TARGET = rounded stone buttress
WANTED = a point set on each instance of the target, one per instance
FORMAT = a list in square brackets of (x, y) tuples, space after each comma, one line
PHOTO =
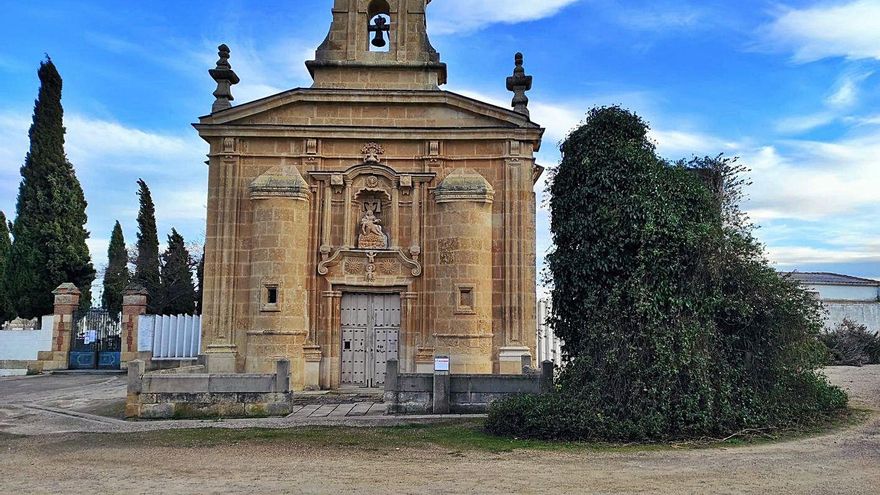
[(462, 269), (279, 270)]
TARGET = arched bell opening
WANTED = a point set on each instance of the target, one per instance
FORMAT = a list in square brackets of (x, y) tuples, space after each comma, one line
[(379, 26)]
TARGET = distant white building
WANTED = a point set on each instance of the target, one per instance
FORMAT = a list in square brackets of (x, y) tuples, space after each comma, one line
[(844, 297), (549, 346)]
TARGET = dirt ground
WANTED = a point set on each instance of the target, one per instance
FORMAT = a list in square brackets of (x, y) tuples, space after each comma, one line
[(843, 461)]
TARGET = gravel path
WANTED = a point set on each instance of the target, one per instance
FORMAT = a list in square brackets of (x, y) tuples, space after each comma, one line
[(846, 461)]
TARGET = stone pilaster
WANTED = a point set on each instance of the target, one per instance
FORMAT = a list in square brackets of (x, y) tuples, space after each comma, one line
[(221, 257), (134, 304), (67, 298)]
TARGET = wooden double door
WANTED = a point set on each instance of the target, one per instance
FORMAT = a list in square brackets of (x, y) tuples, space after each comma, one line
[(370, 337)]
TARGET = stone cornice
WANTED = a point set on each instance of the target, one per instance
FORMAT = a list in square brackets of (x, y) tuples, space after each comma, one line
[(532, 135), (355, 96)]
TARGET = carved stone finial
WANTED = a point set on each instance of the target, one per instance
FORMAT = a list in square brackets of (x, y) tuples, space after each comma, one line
[(226, 78), (372, 153), (519, 83)]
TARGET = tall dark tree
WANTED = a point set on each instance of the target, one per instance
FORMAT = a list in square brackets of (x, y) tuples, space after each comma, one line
[(200, 290), (49, 235), (7, 312), (117, 276), (146, 270), (177, 277)]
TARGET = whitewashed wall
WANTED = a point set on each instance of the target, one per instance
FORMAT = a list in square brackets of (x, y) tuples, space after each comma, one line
[(549, 347), (845, 292), (863, 313), (23, 345)]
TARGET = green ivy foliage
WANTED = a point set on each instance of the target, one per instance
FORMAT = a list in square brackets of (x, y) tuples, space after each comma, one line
[(673, 321)]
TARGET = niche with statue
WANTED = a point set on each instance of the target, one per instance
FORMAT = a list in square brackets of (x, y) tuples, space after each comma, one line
[(371, 228)]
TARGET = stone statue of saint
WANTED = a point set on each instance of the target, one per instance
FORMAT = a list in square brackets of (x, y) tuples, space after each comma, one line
[(371, 224), (372, 236)]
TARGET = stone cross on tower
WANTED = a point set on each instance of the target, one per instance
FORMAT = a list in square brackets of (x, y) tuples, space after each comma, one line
[(226, 78), (519, 83)]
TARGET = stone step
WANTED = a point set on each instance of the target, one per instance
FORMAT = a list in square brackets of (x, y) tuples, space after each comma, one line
[(338, 397)]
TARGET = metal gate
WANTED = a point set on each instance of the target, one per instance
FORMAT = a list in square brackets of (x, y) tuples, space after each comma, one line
[(370, 333), (95, 342)]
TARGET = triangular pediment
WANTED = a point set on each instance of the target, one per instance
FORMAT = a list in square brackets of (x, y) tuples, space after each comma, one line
[(358, 108)]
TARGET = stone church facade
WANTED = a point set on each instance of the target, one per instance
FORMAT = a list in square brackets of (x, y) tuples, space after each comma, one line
[(370, 217)]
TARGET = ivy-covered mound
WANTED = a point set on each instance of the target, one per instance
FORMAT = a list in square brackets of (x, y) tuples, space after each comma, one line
[(673, 321)]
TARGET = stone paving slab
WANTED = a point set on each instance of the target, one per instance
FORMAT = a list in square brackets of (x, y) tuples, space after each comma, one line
[(342, 410), (58, 404), (305, 411), (376, 409), (323, 411), (360, 409)]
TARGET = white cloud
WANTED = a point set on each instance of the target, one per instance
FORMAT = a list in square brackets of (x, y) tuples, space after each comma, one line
[(109, 157), (187, 204), (843, 97), (811, 180), (680, 144), (850, 30), (13, 146), (88, 139), (868, 120), (799, 255), (455, 16), (847, 93), (805, 123), (266, 70), (660, 17)]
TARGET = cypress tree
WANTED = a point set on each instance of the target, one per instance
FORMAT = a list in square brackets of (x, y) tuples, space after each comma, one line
[(49, 235), (177, 277), (116, 277), (7, 313), (147, 263)]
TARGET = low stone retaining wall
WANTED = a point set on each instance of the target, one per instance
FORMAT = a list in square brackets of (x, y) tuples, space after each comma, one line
[(426, 393), (188, 393), (20, 368)]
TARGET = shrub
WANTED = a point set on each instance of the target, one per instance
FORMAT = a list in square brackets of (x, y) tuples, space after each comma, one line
[(674, 323), (851, 344)]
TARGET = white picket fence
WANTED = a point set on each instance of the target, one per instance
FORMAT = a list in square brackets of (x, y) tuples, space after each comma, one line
[(170, 337), (548, 345)]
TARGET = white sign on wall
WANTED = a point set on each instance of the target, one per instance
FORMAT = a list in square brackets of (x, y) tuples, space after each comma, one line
[(441, 363)]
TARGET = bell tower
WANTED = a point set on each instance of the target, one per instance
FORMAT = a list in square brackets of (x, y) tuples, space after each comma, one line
[(378, 44)]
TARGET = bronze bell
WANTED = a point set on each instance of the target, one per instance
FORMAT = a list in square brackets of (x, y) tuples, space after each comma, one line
[(380, 28)]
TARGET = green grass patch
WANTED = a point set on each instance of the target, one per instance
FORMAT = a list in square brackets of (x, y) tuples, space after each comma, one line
[(454, 437)]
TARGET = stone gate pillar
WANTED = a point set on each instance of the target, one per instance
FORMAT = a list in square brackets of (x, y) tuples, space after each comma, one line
[(67, 298), (134, 304)]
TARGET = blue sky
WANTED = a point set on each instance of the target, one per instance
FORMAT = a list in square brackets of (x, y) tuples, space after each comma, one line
[(792, 87)]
